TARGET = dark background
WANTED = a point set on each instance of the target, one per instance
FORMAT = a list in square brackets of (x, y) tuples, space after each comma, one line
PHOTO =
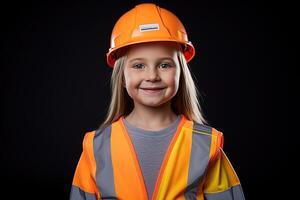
[(55, 87)]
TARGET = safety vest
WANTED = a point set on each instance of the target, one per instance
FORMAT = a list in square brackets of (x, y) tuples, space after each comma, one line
[(194, 166)]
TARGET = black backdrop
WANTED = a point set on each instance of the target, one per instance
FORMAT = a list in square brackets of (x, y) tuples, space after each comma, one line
[(55, 87)]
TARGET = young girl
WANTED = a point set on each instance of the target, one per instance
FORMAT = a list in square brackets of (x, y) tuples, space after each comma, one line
[(153, 143)]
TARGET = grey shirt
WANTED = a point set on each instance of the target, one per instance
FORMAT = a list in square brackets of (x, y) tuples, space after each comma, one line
[(150, 147)]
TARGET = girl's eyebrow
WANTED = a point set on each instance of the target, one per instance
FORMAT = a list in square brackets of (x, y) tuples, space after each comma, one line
[(136, 59), (158, 59)]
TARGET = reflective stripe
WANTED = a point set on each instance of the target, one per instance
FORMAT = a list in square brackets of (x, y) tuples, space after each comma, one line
[(78, 194), (104, 170), (201, 140), (234, 193)]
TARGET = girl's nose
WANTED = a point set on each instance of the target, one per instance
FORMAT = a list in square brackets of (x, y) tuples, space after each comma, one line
[(152, 75)]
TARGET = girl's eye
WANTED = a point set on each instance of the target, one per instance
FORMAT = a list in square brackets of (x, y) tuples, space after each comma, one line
[(138, 66), (165, 65)]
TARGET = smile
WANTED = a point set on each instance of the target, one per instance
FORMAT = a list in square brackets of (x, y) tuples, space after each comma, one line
[(152, 90)]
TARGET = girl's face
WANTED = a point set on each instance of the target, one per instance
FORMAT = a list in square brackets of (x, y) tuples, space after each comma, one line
[(152, 73)]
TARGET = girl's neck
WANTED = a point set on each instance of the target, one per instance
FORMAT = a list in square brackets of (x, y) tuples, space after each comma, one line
[(151, 118)]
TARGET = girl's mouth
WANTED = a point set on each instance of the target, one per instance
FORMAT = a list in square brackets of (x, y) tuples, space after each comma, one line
[(152, 90)]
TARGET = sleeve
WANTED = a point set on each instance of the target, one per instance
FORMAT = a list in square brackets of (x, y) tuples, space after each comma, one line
[(84, 185), (221, 180)]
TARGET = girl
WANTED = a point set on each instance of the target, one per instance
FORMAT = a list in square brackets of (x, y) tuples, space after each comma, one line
[(153, 143)]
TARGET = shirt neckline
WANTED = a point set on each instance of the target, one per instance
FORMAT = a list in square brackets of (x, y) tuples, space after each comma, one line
[(148, 133)]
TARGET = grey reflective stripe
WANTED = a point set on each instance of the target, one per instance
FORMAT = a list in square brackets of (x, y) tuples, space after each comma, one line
[(104, 168), (201, 140), (79, 194), (234, 193)]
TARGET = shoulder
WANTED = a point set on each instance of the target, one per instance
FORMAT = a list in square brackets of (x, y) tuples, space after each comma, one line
[(206, 133), (88, 140), (205, 130), (202, 128), (99, 136), (213, 137), (96, 137)]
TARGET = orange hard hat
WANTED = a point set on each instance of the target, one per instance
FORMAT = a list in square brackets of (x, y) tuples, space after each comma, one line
[(148, 22)]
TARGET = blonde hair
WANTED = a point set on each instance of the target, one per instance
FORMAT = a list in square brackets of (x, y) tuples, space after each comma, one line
[(184, 102)]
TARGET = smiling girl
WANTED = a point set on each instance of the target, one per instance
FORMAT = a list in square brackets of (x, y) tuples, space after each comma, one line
[(153, 143)]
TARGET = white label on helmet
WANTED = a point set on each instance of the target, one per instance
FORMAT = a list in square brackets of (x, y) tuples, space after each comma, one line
[(149, 27)]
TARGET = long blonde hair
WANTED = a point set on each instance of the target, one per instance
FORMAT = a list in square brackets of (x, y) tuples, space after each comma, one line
[(184, 102)]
